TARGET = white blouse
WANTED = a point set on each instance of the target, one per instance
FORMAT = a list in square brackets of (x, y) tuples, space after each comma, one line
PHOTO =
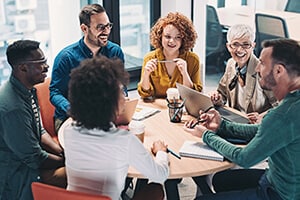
[(97, 161)]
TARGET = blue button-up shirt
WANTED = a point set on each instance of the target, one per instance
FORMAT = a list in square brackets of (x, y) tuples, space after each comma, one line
[(68, 59)]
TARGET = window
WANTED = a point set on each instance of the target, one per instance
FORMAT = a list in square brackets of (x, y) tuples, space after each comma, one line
[(134, 31), (132, 22), (22, 20)]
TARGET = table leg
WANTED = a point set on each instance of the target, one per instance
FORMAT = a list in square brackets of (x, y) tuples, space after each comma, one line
[(172, 189), (202, 184)]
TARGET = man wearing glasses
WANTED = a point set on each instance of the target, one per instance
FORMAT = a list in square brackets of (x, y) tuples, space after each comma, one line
[(239, 84), (96, 28), (27, 152)]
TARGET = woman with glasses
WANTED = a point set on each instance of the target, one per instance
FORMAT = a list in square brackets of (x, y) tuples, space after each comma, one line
[(173, 36), (239, 84)]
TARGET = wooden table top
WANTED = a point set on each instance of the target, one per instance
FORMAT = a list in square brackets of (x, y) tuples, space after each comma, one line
[(159, 127)]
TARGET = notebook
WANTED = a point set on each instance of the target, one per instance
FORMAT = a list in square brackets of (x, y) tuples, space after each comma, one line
[(129, 110), (143, 112), (199, 150), (196, 101)]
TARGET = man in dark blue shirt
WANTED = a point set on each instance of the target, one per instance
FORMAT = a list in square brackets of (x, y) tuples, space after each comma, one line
[(96, 28)]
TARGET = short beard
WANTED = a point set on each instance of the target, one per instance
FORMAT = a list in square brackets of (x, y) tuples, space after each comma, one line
[(269, 82), (94, 40)]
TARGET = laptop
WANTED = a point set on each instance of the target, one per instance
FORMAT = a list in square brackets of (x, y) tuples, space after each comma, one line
[(126, 116), (195, 101)]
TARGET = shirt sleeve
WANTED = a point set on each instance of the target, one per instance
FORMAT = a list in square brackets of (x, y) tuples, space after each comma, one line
[(265, 136), (145, 93), (59, 82), (21, 140), (156, 170), (194, 71)]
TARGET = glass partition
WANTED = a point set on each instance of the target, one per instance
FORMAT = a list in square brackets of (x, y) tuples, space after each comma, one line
[(134, 31)]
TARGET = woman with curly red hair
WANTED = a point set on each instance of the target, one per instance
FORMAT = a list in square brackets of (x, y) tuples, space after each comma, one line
[(173, 37)]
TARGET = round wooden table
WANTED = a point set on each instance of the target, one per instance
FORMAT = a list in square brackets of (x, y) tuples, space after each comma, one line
[(159, 127)]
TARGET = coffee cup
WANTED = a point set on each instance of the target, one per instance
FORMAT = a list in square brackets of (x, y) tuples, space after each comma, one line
[(138, 129), (172, 94)]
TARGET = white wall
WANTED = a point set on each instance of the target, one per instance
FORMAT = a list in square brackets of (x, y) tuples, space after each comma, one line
[(200, 24), (64, 24)]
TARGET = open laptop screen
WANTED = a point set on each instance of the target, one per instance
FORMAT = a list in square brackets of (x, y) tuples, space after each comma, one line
[(196, 101)]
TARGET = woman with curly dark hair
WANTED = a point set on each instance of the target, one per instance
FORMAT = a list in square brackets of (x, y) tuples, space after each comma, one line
[(98, 154), (173, 37)]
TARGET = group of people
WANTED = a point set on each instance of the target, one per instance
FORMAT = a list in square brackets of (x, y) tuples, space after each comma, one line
[(87, 84)]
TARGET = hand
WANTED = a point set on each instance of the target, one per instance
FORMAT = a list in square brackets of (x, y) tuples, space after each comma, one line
[(211, 120), (181, 65), (158, 146), (255, 117), (216, 98), (197, 131), (150, 66)]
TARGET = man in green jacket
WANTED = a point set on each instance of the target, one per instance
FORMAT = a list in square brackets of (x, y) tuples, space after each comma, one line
[(277, 138), (23, 141)]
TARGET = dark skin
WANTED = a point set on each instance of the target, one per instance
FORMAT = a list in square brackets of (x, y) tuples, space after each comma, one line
[(30, 73)]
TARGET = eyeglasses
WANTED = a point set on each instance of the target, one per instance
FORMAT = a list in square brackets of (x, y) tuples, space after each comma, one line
[(123, 90), (176, 38), (102, 27), (237, 45), (40, 61)]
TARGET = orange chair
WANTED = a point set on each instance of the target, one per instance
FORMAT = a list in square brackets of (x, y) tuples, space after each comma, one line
[(46, 108), (43, 191)]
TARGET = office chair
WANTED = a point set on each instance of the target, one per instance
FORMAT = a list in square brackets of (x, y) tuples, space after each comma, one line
[(46, 108), (215, 43), (43, 191), (268, 27), (292, 6)]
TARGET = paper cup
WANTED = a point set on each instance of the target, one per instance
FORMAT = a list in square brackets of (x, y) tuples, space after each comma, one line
[(172, 93), (138, 129)]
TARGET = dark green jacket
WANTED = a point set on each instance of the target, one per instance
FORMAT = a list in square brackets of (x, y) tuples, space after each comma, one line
[(276, 138), (20, 152)]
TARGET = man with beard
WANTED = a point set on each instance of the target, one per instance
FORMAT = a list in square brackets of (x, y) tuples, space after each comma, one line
[(27, 152), (239, 85), (276, 138), (96, 28)]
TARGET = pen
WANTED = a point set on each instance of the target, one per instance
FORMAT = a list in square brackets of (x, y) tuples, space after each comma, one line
[(178, 109), (165, 61), (173, 153), (201, 120)]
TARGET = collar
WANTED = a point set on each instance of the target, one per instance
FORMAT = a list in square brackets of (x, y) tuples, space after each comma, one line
[(20, 88), (242, 70), (88, 52)]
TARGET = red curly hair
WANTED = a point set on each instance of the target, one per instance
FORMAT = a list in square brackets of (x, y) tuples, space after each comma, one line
[(182, 23)]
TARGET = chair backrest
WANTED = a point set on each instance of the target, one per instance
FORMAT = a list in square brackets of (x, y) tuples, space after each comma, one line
[(215, 43), (46, 108), (214, 34), (43, 191), (269, 27), (293, 6)]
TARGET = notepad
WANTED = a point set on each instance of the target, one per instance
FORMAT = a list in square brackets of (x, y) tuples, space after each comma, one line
[(199, 150), (143, 112)]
